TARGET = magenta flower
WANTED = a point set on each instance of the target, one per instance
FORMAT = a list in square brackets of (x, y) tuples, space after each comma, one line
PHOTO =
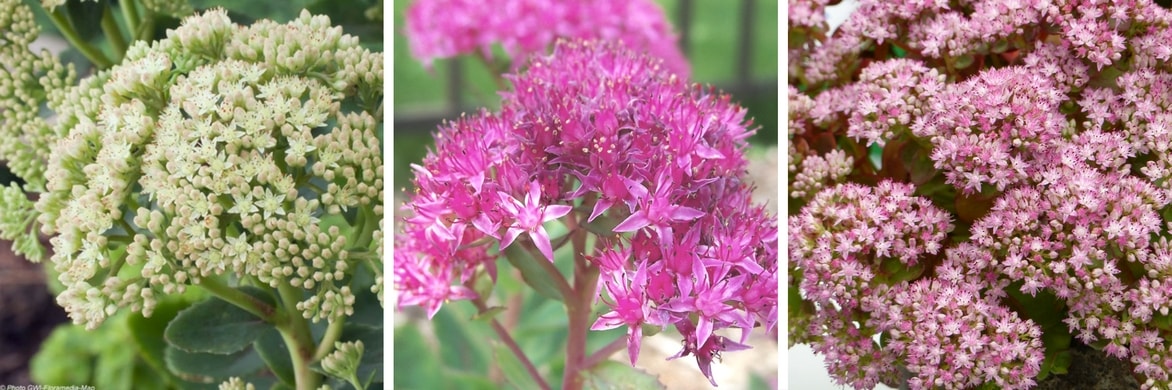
[(530, 217), (656, 210), (630, 307), (586, 129), (448, 28)]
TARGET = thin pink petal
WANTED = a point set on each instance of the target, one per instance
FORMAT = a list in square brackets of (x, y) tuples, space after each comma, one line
[(541, 240), (510, 236), (600, 207), (636, 221), (682, 213), (607, 321), (553, 212), (634, 342)]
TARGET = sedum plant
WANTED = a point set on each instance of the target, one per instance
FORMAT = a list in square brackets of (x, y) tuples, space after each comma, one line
[(977, 186), (242, 160), (641, 173)]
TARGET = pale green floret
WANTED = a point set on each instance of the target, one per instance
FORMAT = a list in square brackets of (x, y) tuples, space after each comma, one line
[(221, 149), (235, 383)]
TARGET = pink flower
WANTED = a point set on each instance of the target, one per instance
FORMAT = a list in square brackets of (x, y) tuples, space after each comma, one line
[(530, 217)]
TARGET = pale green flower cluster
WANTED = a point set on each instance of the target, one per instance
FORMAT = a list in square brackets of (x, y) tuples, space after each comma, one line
[(222, 149), (29, 82)]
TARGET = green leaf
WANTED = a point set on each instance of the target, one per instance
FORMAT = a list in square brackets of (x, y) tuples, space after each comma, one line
[(532, 273), (612, 375), (1062, 362), (211, 368), (271, 348), (114, 368), (460, 347), (511, 366), (413, 355), (147, 333), (367, 309), (216, 326), (86, 17), (64, 358)]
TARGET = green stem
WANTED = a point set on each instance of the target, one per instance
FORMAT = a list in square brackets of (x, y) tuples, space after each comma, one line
[(129, 10), (146, 30), (605, 352), (113, 33), (333, 332), (89, 51), (297, 338), (578, 308), (367, 224), (239, 298), (500, 330), (558, 280)]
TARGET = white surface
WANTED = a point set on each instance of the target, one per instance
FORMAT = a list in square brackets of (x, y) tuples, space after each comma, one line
[(808, 372)]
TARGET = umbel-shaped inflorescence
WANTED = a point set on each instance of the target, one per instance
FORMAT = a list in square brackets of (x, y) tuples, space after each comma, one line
[(1040, 131), (648, 162), (222, 149)]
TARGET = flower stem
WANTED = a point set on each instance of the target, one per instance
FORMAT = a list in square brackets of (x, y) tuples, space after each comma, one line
[(578, 307), (605, 352), (333, 332), (239, 298), (297, 338), (89, 51), (113, 33), (500, 330)]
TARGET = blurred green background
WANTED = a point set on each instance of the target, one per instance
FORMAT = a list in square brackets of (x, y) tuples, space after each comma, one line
[(712, 52)]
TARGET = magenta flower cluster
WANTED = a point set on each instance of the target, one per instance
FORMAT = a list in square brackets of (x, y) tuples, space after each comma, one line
[(612, 141), (1022, 193), (439, 29)]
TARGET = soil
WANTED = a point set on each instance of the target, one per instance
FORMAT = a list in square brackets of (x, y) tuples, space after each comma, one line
[(28, 314)]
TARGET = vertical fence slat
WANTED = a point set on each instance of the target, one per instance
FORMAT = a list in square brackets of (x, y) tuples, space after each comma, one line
[(455, 86), (745, 51), (685, 26)]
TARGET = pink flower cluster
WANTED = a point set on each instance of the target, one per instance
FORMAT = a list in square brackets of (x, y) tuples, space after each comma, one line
[(954, 338), (843, 236), (1047, 126), (448, 28), (611, 140)]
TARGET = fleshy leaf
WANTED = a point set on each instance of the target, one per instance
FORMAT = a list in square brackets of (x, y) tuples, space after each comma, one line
[(216, 326), (532, 273), (212, 368), (611, 375)]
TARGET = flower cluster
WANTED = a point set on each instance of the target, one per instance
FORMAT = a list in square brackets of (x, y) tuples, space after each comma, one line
[(28, 82), (953, 338), (1040, 128), (447, 28), (221, 149), (602, 139)]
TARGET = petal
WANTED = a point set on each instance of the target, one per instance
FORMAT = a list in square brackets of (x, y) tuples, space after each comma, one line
[(541, 240), (607, 321), (681, 213), (510, 236), (634, 341), (556, 211), (600, 207), (635, 222), (703, 330), (482, 223)]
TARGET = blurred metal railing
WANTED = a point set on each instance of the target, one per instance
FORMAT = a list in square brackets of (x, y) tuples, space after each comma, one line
[(743, 86)]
